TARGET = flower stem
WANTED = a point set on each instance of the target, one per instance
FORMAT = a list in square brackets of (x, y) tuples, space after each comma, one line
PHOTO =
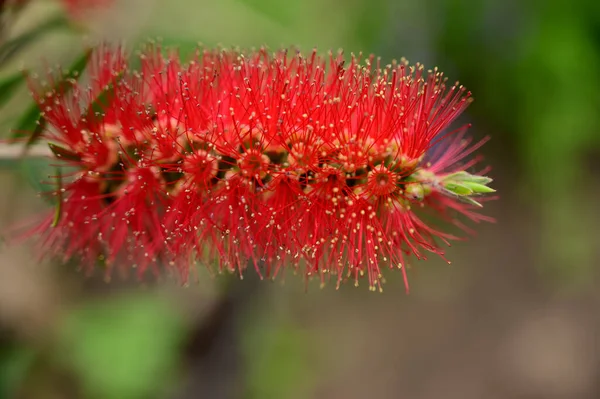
[(14, 152)]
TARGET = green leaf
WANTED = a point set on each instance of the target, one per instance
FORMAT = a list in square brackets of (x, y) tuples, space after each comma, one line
[(458, 189), (368, 23), (11, 47), (58, 208), (15, 364), (481, 179), (273, 10), (40, 125), (479, 188), (74, 72), (97, 107), (9, 85), (471, 201), (414, 191), (281, 356), (32, 120), (122, 347), (35, 172), (463, 183), (63, 153), (463, 176)]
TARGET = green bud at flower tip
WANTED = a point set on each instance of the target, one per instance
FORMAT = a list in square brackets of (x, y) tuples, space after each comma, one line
[(64, 154), (458, 189), (471, 201), (478, 188), (414, 191), (481, 179), (467, 177)]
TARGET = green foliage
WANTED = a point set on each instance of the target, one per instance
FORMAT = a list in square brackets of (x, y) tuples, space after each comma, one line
[(59, 200), (535, 72), (31, 123), (276, 354), (371, 17), (123, 347), (8, 86), (100, 103), (36, 172), (12, 47), (274, 11), (355, 25), (15, 361)]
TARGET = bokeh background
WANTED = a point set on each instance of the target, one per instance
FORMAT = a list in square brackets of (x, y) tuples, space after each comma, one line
[(515, 316)]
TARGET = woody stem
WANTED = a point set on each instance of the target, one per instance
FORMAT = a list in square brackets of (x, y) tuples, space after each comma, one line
[(12, 151)]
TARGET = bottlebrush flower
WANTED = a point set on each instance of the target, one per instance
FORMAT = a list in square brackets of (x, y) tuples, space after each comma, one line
[(272, 161)]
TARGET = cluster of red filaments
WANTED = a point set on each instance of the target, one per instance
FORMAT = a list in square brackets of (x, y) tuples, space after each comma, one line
[(254, 159)]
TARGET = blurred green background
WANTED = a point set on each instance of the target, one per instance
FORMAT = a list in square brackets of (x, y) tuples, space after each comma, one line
[(515, 316)]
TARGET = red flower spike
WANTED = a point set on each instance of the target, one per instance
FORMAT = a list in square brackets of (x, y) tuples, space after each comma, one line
[(264, 160)]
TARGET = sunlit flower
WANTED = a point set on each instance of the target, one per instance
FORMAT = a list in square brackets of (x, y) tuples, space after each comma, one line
[(272, 161)]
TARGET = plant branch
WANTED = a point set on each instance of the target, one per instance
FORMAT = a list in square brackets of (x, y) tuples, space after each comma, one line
[(15, 151)]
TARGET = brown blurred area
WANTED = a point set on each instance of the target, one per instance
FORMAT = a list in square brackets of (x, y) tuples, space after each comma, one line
[(503, 321), (485, 327)]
